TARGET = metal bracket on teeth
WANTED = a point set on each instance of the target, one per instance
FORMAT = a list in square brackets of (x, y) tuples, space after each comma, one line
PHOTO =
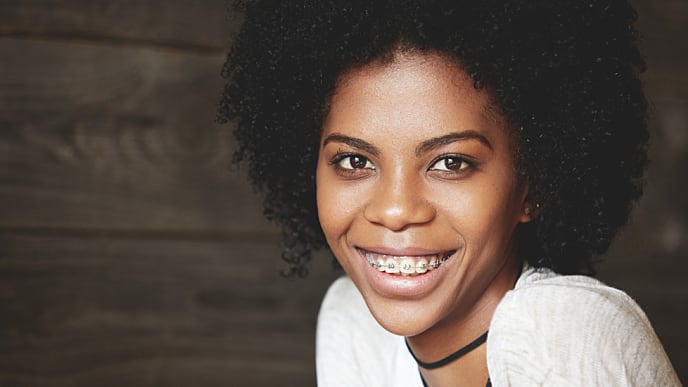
[(392, 266)]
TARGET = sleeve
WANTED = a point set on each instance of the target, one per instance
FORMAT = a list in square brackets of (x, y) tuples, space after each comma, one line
[(336, 363), (567, 332), (352, 349)]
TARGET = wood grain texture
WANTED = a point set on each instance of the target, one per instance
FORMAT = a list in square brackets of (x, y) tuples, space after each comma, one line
[(85, 312), (200, 26), (114, 137)]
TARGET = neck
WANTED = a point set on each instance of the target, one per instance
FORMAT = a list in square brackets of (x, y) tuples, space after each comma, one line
[(454, 356), (470, 370), (460, 329)]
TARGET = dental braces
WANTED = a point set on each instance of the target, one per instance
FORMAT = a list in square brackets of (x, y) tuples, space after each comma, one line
[(406, 267)]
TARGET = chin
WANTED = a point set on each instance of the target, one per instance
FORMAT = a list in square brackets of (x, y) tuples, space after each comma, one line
[(401, 318)]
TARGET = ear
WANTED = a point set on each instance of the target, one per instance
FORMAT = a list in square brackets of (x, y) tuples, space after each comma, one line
[(530, 211), (529, 208)]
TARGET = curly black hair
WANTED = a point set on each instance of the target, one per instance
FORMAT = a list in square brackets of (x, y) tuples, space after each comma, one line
[(564, 74)]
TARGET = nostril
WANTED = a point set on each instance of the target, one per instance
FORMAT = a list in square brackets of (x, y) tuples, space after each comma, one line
[(396, 212)]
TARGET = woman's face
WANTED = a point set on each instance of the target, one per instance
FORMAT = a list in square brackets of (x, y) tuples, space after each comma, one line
[(418, 195)]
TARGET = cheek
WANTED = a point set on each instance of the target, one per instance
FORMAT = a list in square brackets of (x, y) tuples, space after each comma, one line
[(339, 203), (481, 211)]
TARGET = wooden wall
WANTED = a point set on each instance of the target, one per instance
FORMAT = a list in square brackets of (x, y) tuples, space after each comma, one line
[(133, 254)]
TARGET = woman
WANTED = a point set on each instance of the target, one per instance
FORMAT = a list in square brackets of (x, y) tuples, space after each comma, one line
[(465, 162)]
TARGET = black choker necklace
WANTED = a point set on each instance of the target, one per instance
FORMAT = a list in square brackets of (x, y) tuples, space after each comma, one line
[(442, 362)]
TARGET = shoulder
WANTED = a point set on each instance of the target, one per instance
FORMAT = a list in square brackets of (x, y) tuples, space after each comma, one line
[(553, 328), (352, 349), (576, 299), (343, 309)]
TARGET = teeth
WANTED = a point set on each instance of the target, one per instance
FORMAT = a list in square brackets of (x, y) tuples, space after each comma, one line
[(391, 266), (379, 264), (422, 266), (406, 266)]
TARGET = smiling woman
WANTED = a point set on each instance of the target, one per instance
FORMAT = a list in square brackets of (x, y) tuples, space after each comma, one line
[(414, 177), (465, 165), (413, 174)]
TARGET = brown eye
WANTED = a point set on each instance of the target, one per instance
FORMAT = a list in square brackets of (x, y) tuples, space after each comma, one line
[(451, 164), (358, 162), (352, 162)]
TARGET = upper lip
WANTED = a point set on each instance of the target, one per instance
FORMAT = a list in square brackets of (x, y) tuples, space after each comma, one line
[(403, 252)]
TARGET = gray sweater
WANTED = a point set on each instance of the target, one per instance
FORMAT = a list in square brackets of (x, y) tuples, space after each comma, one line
[(550, 330)]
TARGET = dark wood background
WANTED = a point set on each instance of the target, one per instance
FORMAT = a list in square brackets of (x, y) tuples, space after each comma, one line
[(133, 254)]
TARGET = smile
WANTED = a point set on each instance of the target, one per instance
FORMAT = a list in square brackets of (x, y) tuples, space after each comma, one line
[(406, 265)]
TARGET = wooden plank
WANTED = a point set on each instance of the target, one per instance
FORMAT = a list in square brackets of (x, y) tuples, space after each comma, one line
[(657, 226), (185, 24), (666, 18), (114, 137), (106, 312), (663, 26)]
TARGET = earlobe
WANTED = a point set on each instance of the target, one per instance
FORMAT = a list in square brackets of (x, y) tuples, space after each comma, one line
[(530, 208), (530, 211)]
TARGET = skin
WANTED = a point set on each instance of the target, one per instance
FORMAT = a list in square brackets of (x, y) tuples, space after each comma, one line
[(414, 161)]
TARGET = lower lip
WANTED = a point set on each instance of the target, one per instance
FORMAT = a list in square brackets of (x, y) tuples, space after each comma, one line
[(408, 287)]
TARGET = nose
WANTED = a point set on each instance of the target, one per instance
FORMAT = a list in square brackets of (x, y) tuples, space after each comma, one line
[(399, 202)]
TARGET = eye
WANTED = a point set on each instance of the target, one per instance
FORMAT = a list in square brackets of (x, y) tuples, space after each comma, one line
[(451, 164), (350, 162)]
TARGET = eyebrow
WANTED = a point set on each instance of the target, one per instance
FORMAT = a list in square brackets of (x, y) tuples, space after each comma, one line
[(441, 141), (424, 147), (353, 142)]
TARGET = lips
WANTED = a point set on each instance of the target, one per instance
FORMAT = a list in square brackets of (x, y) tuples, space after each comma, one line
[(407, 264), (402, 274)]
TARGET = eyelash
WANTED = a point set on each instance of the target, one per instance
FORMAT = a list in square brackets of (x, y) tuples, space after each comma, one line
[(339, 157), (465, 164)]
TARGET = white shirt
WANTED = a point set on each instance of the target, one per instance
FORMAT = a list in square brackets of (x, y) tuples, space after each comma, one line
[(550, 330)]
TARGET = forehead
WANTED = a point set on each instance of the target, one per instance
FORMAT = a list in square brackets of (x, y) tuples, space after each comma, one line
[(431, 72), (424, 90)]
